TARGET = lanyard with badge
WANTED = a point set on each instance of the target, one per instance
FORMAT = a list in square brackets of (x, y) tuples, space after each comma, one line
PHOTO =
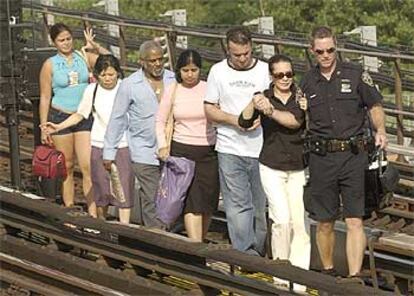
[(73, 78)]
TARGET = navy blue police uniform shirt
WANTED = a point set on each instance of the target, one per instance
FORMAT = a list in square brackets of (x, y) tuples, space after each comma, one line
[(337, 106)]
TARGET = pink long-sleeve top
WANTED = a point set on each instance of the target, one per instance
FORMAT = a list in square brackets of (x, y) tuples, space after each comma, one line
[(190, 122)]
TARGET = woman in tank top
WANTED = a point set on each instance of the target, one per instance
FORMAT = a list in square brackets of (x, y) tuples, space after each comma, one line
[(63, 78)]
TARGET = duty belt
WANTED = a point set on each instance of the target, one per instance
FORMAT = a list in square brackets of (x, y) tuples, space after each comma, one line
[(322, 146), (344, 145)]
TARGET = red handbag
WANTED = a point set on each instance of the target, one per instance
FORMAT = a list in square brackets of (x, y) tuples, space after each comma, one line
[(48, 162)]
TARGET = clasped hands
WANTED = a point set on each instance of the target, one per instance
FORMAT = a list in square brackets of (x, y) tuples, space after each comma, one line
[(263, 104), (47, 129)]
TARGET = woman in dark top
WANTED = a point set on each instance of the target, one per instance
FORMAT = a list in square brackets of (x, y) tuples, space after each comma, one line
[(281, 162)]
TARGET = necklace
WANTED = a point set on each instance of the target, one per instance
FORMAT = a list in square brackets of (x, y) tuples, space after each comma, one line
[(156, 86), (68, 58)]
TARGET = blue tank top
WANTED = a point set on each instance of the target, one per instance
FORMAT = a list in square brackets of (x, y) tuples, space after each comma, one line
[(68, 81)]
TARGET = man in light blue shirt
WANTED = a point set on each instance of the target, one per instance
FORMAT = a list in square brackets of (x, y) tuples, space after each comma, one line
[(135, 108)]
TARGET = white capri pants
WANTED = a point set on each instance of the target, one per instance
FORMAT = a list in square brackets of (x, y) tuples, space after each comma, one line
[(290, 232)]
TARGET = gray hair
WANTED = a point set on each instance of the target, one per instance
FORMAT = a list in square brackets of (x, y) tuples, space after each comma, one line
[(147, 47)]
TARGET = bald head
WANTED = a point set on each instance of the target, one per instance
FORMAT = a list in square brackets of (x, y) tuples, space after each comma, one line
[(147, 47)]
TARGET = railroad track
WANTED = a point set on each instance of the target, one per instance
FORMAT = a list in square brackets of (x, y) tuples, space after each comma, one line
[(137, 248), (30, 268), (397, 217)]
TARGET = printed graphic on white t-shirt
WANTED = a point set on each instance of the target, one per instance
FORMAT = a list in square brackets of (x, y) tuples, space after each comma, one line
[(233, 90)]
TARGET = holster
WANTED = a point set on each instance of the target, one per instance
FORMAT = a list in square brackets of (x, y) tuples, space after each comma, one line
[(316, 145)]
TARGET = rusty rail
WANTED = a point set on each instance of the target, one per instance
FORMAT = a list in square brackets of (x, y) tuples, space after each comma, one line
[(159, 251), (56, 273)]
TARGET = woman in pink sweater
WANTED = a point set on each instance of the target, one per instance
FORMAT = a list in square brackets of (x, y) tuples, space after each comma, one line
[(193, 138)]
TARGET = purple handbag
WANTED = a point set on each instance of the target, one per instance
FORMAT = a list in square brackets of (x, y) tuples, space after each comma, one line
[(176, 177)]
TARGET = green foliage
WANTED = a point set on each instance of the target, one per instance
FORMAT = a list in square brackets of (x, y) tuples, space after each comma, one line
[(394, 18)]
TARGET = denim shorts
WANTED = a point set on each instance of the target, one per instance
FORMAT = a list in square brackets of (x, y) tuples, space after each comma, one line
[(57, 116)]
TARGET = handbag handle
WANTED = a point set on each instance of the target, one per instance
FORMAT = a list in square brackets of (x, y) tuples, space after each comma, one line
[(169, 126), (382, 156)]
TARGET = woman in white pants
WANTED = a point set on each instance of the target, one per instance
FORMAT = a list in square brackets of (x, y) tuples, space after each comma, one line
[(281, 162)]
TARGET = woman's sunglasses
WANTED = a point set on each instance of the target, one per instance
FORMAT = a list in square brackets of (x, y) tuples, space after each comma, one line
[(322, 51), (280, 75)]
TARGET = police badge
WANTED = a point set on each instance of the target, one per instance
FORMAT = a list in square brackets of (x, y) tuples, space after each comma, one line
[(366, 78), (346, 86)]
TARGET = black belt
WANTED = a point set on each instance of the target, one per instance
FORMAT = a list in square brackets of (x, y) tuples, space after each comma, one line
[(344, 145), (322, 146)]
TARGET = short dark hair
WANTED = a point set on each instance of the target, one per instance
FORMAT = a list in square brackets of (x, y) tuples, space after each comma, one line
[(277, 58), (105, 61), (189, 56), (320, 33), (239, 35), (58, 28)]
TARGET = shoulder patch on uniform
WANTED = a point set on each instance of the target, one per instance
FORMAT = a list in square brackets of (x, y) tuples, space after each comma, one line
[(366, 78)]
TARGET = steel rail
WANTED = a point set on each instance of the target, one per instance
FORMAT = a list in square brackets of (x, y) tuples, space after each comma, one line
[(18, 282), (174, 252), (192, 31), (395, 111), (190, 272), (72, 273), (20, 266)]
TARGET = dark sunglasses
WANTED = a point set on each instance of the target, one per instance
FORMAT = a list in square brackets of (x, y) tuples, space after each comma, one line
[(280, 75), (329, 50)]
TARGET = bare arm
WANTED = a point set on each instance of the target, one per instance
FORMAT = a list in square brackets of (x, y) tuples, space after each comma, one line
[(161, 119), (51, 127), (45, 81), (96, 48), (216, 115), (378, 120), (250, 117), (248, 111), (285, 118)]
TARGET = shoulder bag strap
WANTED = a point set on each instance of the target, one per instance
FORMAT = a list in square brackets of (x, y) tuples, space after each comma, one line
[(169, 126), (82, 54), (93, 98), (93, 106)]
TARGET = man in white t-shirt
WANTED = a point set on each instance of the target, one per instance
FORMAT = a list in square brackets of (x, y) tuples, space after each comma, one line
[(231, 85)]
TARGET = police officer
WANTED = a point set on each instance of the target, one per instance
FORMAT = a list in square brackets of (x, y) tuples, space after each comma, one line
[(338, 95)]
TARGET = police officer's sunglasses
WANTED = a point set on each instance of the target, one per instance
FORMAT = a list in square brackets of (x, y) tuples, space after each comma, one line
[(280, 75), (322, 51)]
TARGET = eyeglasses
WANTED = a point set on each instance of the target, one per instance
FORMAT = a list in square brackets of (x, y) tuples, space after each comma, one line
[(322, 51), (280, 75)]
